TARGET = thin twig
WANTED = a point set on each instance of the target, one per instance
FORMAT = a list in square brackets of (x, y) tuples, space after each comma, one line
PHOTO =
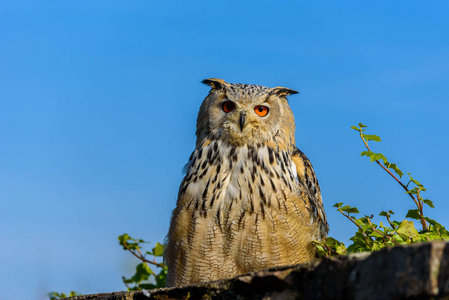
[(142, 258), (330, 249), (388, 219)]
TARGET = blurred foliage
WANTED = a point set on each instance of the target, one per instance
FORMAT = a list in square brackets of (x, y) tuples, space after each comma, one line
[(371, 236)]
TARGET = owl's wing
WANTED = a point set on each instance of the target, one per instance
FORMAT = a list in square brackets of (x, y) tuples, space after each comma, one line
[(307, 177)]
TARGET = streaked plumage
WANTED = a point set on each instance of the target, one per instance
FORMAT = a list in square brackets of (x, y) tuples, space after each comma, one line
[(250, 199)]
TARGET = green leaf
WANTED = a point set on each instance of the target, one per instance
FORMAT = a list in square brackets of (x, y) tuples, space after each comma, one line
[(394, 168), (338, 205), (349, 209), (374, 156), (128, 242), (413, 191), (428, 202), (420, 186), (127, 280), (396, 223), (359, 222), (320, 252), (376, 234), (367, 228), (371, 137), (341, 249), (413, 214), (158, 250), (330, 241), (433, 222), (361, 125), (398, 239), (123, 238), (377, 247), (161, 278), (408, 228), (383, 214), (143, 272)]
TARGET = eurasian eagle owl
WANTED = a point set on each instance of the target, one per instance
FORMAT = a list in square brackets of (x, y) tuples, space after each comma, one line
[(250, 199)]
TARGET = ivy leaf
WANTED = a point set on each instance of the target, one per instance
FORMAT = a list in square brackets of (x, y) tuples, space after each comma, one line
[(158, 250), (128, 242), (412, 214), (371, 137), (394, 168), (367, 228), (331, 242), (413, 191), (349, 209), (397, 238), (359, 222), (374, 156), (428, 202), (320, 252), (408, 228), (127, 280), (161, 278), (418, 184), (123, 238), (433, 222), (341, 249), (376, 234), (143, 272)]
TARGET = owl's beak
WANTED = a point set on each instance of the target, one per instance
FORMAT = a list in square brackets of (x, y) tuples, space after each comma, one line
[(242, 120)]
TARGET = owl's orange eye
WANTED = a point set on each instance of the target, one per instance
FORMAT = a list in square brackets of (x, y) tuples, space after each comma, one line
[(261, 110), (228, 106)]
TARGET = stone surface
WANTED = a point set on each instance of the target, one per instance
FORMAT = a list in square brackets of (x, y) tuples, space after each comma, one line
[(419, 271)]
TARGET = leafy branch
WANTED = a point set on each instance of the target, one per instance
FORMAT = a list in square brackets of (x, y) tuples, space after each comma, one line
[(370, 236), (141, 279), (387, 165)]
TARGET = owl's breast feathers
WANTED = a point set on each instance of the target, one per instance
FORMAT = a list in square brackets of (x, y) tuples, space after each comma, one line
[(243, 209)]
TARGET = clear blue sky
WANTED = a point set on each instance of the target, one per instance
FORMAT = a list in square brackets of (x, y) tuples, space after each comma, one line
[(98, 102)]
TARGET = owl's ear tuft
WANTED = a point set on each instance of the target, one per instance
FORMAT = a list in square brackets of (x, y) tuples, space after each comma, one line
[(215, 83), (282, 91)]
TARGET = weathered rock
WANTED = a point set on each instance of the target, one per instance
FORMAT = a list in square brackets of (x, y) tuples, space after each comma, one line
[(419, 271)]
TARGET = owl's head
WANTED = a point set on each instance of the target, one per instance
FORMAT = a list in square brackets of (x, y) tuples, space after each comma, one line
[(245, 114)]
